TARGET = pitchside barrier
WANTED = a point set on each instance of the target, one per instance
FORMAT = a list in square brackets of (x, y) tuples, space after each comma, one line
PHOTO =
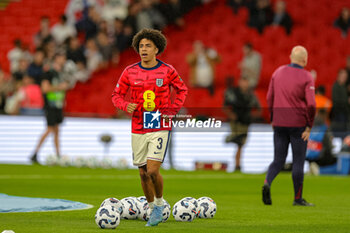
[(81, 138)]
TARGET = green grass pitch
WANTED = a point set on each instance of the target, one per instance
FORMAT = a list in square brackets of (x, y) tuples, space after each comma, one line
[(238, 198)]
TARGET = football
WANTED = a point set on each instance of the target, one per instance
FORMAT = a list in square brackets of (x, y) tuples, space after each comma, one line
[(142, 205), (166, 211), (207, 207), (184, 211), (142, 199), (130, 209), (113, 202), (107, 217), (194, 202), (64, 161), (51, 160)]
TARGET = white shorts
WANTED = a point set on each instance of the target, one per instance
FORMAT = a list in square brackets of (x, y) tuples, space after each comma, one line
[(149, 146)]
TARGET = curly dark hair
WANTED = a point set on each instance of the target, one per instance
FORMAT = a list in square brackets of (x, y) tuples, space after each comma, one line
[(153, 35)]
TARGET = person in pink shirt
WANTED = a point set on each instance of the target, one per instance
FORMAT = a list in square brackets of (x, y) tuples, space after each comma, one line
[(31, 97), (291, 100)]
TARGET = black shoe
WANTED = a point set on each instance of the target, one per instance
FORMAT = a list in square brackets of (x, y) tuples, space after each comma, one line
[(266, 195), (302, 202), (34, 158)]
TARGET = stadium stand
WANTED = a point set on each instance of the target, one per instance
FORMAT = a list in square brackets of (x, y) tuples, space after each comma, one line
[(20, 19), (216, 25)]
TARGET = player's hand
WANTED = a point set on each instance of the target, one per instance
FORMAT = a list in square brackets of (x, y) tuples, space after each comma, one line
[(233, 116), (306, 134), (131, 108)]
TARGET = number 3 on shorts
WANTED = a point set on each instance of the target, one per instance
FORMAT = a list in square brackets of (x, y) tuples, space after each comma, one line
[(160, 140)]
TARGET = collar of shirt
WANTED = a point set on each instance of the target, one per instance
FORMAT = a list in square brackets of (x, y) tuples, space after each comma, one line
[(295, 66), (151, 68)]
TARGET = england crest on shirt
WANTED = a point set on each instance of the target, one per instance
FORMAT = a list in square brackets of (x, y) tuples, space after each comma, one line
[(159, 82)]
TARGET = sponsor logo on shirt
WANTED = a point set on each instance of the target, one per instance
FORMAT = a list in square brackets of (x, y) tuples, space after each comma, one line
[(149, 104)]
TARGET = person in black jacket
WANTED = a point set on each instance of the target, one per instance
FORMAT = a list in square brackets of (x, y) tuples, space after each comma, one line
[(238, 105), (281, 17), (260, 14), (340, 111), (343, 21)]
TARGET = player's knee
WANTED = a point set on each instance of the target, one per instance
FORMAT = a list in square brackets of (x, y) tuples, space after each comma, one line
[(153, 173), (50, 129), (144, 175)]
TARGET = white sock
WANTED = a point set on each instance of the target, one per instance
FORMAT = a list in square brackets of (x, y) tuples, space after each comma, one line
[(151, 205), (158, 201)]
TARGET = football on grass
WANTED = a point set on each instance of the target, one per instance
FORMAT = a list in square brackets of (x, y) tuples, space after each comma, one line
[(107, 217)]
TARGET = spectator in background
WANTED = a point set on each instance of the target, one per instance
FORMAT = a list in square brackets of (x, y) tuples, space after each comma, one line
[(75, 51), (173, 11), (88, 24), (6, 85), (75, 8), (104, 46), (44, 33), (50, 49), (347, 68), (62, 30), (36, 68), (122, 39), (236, 5), (122, 35), (106, 28), (202, 63), (281, 17), (30, 100), (14, 55), (75, 54), (238, 105), (114, 9), (314, 74), (149, 17), (250, 65), (26, 54), (343, 21), (94, 59), (319, 146), (260, 15), (340, 110), (21, 71), (72, 73), (131, 20), (322, 102), (53, 88)]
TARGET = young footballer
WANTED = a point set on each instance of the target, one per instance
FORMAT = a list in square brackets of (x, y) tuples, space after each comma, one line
[(149, 83)]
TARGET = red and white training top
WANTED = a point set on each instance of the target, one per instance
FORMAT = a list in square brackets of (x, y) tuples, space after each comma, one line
[(150, 88)]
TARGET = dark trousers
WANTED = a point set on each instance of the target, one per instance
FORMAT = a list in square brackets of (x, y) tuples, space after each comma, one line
[(282, 137)]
